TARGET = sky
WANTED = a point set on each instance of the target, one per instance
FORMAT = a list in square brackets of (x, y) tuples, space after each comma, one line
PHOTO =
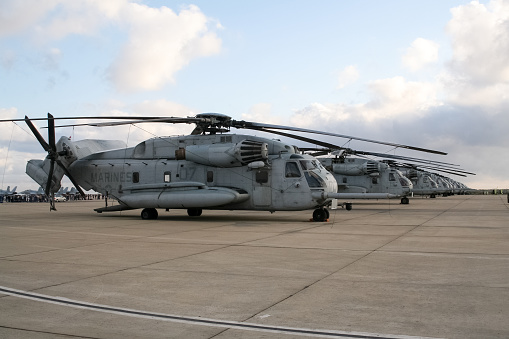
[(426, 73)]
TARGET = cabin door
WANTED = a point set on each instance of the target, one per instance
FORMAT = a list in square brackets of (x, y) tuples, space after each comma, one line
[(262, 190)]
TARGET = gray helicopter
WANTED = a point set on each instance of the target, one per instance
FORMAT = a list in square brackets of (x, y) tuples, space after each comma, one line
[(432, 184), (389, 174), (208, 169), (360, 175)]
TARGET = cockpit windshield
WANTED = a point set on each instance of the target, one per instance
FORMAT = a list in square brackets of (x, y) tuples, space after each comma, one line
[(314, 180), (308, 164), (404, 181), (310, 168)]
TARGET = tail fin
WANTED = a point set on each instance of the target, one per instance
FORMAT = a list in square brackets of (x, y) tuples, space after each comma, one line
[(38, 170)]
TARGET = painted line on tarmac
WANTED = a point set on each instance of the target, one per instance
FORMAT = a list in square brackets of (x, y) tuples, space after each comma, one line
[(198, 320)]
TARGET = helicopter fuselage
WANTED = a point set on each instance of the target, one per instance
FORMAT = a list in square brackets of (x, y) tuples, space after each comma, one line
[(356, 175), (222, 171)]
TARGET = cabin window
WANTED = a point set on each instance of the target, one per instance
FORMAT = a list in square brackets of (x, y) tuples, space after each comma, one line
[(210, 176), (374, 181), (345, 180), (167, 176), (136, 177), (392, 177), (262, 177), (292, 170)]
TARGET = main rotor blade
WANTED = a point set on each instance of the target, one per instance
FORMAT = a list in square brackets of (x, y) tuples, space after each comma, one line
[(87, 118), (399, 157), (301, 138), (173, 120), (37, 135), (448, 170), (258, 126)]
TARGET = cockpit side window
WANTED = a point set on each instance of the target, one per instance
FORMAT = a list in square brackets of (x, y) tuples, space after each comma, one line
[(392, 177), (292, 170)]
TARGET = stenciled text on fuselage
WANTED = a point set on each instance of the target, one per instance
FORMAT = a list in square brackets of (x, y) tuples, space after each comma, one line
[(111, 176)]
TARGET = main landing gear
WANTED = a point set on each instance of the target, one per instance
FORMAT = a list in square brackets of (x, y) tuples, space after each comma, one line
[(149, 213), (405, 200), (194, 212)]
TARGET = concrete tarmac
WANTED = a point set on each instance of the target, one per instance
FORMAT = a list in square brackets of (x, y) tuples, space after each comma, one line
[(433, 268)]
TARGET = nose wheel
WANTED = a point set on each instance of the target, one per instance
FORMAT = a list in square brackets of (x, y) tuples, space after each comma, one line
[(321, 214)]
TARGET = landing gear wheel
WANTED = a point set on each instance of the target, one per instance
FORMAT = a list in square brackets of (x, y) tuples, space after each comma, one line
[(149, 213), (405, 200), (348, 206), (320, 214), (194, 212)]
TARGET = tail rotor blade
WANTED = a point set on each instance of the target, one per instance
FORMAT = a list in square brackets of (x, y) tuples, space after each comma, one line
[(38, 135), (69, 175), (51, 132), (50, 177)]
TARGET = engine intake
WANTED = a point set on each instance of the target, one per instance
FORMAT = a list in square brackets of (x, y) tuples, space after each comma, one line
[(225, 155)]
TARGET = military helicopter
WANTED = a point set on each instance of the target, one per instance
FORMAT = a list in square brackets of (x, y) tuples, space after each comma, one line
[(360, 175), (389, 174), (208, 169), (432, 184)]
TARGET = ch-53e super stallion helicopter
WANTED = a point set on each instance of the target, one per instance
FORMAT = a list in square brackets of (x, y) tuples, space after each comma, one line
[(361, 174), (208, 169)]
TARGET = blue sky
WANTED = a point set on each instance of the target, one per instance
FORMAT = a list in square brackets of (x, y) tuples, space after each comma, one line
[(426, 73)]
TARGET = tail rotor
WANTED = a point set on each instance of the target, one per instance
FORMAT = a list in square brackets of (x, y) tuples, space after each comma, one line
[(53, 157)]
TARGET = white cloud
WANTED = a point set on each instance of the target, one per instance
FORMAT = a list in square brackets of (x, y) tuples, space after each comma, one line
[(160, 42), (396, 97), (480, 41), (17, 16), (133, 134), (12, 132), (347, 76), (317, 114), (393, 98), (422, 52), (262, 112), (13, 168)]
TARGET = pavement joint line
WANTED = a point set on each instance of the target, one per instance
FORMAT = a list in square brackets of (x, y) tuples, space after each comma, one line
[(318, 333), (358, 259), (416, 226), (47, 332)]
